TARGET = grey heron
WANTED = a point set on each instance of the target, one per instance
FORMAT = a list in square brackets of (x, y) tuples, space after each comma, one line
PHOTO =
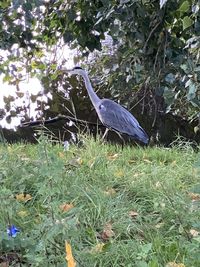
[(112, 115)]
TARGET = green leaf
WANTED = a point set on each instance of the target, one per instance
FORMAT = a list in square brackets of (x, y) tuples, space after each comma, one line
[(124, 1), (195, 102), (138, 67), (196, 129), (4, 4), (197, 69), (187, 22), (7, 78), (170, 78), (192, 91), (184, 7), (184, 67), (54, 76), (169, 96)]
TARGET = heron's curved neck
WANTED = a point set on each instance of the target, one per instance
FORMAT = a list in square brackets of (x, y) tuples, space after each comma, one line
[(93, 96)]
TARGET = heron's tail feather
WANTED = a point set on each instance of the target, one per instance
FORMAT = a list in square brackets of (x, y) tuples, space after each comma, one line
[(141, 135)]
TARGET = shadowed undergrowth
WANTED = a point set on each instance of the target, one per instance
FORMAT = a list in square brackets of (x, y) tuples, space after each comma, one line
[(131, 207)]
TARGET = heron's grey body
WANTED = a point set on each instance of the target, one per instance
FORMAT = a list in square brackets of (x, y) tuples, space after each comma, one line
[(111, 114), (116, 117)]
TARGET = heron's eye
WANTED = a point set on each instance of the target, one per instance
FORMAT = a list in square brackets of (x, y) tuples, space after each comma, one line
[(101, 107)]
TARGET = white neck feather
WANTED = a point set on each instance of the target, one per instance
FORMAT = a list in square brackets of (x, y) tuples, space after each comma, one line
[(93, 96)]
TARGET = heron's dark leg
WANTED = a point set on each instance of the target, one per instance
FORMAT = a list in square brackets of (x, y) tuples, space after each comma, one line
[(120, 136), (105, 133)]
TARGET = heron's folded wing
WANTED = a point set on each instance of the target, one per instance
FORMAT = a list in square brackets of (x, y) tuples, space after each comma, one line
[(115, 116)]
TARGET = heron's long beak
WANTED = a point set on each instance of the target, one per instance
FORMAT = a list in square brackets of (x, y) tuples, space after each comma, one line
[(65, 70)]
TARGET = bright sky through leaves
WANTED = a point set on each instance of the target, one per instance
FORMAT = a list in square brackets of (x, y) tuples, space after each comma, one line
[(29, 86)]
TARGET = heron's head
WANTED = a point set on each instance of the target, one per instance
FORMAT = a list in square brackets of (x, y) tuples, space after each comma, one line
[(76, 71)]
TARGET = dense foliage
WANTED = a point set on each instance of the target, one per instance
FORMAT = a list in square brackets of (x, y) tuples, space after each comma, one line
[(152, 46)]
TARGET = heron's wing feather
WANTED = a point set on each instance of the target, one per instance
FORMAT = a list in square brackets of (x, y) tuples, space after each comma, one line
[(115, 116)]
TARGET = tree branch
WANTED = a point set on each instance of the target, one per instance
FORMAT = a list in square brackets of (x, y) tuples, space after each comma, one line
[(58, 118)]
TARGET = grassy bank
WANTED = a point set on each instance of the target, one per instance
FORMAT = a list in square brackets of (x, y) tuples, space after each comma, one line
[(131, 207)]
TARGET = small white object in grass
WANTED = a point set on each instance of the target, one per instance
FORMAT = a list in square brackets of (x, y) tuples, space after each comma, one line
[(70, 123), (66, 145)]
